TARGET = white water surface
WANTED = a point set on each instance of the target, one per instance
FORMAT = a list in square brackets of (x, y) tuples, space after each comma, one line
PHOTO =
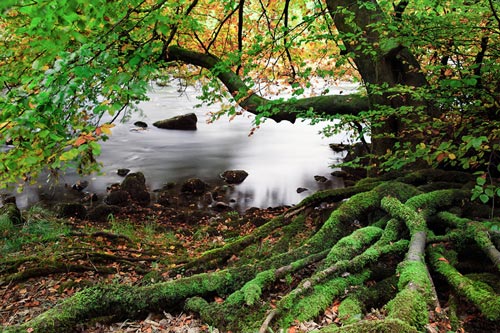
[(279, 157)]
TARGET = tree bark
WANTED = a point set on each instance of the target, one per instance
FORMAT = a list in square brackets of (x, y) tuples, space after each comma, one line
[(386, 66), (282, 110)]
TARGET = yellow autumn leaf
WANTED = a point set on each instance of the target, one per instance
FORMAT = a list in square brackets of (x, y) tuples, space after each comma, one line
[(452, 156), (106, 128)]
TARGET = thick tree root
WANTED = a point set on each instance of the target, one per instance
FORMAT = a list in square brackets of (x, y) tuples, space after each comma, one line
[(122, 301), (480, 295), (479, 234), (377, 221), (63, 263), (373, 326), (238, 245)]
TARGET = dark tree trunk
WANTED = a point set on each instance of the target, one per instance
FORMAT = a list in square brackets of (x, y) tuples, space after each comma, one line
[(395, 66)]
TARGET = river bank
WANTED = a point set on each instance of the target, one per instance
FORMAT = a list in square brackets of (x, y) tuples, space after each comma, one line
[(279, 157)]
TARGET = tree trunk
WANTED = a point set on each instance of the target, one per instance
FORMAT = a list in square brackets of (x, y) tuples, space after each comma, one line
[(377, 65)]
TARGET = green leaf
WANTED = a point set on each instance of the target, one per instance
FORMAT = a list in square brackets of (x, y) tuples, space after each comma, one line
[(480, 181), (96, 148), (69, 155), (484, 198), (31, 160)]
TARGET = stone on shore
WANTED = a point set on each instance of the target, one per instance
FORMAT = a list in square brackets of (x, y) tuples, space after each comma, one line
[(135, 185), (75, 210), (12, 213), (194, 186)]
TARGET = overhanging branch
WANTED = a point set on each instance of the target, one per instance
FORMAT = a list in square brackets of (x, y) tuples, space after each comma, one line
[(288, 110)]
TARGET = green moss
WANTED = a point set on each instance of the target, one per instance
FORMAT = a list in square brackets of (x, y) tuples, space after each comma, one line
[(11, 212), (358, 207), (401, 191), (350, 310), (373, 326), (336, 195), (453, 313), (486, 301), (481, 237), (415, 273), (350, 245), (239, 244), (7, 228), (432, 201), (432, 175), (439, 185), (490, 279), (391, 232), (196, 304), (452, 219), (413, 220), (253, 288), (410, 307), (289, 239), (319, 298), (368, 181)]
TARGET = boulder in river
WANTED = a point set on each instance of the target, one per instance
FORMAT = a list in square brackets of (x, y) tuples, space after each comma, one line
[(80, 185), (123, 172), (339, 147), (234, 176), (185, 122), (141, 124), (320, 179), (301, 189)]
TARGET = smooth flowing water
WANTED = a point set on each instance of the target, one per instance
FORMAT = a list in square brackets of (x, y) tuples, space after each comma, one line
[(279, 157)]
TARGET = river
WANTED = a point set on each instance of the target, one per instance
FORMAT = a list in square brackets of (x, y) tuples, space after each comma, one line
[(279, 157)]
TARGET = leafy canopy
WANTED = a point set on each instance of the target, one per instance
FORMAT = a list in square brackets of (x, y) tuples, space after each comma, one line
[(69, 64)]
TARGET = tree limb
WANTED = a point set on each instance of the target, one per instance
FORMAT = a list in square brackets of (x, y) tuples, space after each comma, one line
[(281, 110)]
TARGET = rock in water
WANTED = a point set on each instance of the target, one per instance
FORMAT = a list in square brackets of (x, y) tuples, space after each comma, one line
[(80, 185), (301, 189), (185, 122), (234, 176), (122, 172), (320, 179)]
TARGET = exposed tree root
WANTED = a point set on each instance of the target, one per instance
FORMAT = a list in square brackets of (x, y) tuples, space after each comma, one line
[(52, 268), (63, 263), (381, 222), (105, 234), (483, 297)]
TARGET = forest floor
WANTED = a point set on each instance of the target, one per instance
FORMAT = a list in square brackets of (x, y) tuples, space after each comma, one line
[(48, 259), (55, 258)]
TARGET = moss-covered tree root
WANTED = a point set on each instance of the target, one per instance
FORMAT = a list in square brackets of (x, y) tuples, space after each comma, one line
[(382, 235), (482, 296)]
